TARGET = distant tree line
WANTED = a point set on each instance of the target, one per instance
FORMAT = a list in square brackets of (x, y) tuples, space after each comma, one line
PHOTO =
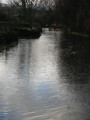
[(73, 14)]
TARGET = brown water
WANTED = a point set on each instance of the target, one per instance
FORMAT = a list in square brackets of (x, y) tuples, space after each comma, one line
[(46, 79)]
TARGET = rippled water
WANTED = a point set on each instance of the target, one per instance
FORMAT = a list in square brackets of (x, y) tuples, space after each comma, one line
[(46, 79)]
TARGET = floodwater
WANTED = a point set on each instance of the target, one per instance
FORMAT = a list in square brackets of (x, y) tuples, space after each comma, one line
[(46, 79)]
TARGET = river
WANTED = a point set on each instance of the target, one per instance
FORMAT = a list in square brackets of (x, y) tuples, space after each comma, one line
[(46, 79)]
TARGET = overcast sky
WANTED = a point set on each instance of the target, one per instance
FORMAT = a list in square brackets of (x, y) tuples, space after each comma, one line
[(3, 1)]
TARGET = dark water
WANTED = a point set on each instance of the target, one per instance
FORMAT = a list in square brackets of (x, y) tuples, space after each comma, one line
[(46, 79)]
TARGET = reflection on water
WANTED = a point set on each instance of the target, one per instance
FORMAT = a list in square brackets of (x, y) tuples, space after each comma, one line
[(75, 57), (46, 79)]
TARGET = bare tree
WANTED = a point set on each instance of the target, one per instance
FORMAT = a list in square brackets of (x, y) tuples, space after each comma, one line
[(27, 8), (47, 10)]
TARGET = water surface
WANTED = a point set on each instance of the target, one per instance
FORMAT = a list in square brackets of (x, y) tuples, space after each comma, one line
[(46, 79)]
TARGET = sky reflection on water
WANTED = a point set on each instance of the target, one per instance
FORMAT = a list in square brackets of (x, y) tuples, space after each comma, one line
[(43, 80)]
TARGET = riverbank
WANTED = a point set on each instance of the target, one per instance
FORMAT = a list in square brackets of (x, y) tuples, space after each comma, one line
[(80, 34), (7, 39), (21, 30), (10, 33), (3, 46), (28, 33), (10, 38)]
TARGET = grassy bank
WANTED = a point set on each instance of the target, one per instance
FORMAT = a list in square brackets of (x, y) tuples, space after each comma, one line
[(28, 33), (80, 34), (4, 46), (8, 39)]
